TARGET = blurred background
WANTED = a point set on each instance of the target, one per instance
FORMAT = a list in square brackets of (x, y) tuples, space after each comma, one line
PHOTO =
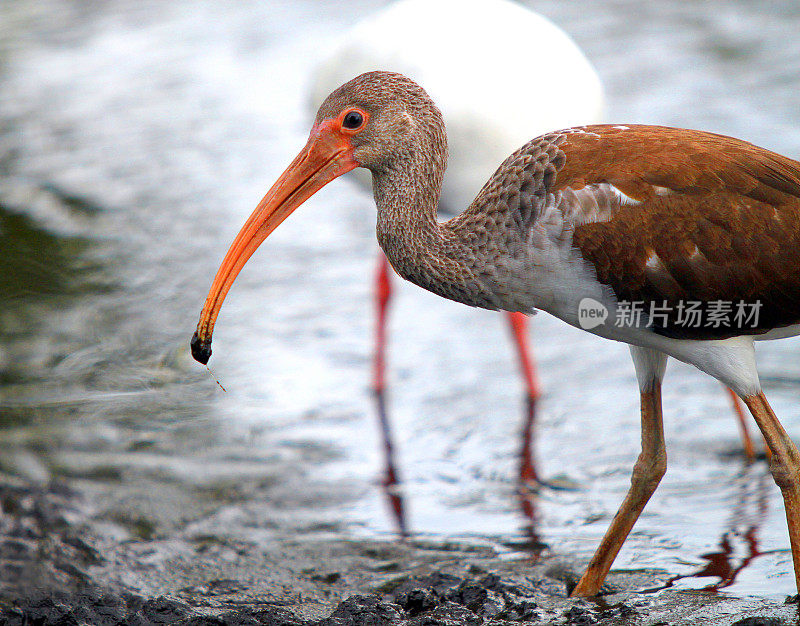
[(135, 138)]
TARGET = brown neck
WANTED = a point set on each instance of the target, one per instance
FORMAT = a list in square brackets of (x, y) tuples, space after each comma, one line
[(437, 257), (406, 195)]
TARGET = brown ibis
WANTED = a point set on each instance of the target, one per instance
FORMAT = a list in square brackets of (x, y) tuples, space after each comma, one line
[(677, 242)]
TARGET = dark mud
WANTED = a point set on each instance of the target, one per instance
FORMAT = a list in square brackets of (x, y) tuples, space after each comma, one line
[(58, 567)]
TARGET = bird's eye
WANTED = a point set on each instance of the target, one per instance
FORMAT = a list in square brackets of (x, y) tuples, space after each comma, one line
[(353, 120)]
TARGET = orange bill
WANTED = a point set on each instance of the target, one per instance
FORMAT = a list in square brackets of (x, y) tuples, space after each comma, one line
[(327, 155)]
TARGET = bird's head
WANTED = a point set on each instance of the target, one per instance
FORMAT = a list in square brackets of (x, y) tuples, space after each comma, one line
[(385, 118), (378, 120)]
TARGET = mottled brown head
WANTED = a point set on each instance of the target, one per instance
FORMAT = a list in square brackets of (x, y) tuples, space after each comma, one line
[(380, 120), (398, 119)]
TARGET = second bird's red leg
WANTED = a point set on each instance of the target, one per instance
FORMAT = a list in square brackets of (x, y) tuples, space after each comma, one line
[(383, 291), (518, 323), (391, 480)]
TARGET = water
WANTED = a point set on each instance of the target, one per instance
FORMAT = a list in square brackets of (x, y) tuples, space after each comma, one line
[(135, 137)]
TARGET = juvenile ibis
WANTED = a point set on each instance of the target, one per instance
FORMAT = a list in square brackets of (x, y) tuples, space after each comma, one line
[(609, 219)]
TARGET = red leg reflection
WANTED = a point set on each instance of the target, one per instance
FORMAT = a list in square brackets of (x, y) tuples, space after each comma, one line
[(518, 323), (391, 479), (721, 564), (533, 542)]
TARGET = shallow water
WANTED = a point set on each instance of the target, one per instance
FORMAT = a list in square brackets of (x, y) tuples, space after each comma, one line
[(135, 137)]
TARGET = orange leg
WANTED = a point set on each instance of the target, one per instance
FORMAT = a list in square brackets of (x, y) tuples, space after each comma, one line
[(518, 322), (647, 472), (785, 468), (747, 442)]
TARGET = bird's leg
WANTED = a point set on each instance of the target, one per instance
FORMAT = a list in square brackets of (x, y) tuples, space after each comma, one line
[(647, 472), (747, 442), (383, 292), (518, 323), (391, 479), (785, 468)]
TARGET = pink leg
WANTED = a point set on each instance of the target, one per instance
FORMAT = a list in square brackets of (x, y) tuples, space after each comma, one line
[(391, 480), (383, 291), (518, 323)]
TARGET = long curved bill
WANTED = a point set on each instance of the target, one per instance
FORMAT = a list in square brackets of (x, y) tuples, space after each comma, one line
[(327, 155)]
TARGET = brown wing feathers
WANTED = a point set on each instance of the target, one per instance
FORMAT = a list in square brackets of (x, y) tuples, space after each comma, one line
[(716, 219)]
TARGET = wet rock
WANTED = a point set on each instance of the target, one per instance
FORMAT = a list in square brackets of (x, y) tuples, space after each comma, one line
[(477, 598), (63, 610), (418, 601), (581, 616), (618, 612), (524, 611), (443, 599), (163, 610), (275, 616), (759, 621), (41, 548), (448, 614), (365, 611)]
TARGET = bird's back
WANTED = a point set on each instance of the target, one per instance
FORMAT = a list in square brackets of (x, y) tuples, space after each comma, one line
[(663, 216)]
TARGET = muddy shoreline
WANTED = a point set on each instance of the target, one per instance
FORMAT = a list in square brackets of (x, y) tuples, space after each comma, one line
[(60, 566)]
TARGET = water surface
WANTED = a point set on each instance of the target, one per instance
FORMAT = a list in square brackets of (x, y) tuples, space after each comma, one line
[(135, 137)]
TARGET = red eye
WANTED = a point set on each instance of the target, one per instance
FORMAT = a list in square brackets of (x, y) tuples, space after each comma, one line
[(353, 120)]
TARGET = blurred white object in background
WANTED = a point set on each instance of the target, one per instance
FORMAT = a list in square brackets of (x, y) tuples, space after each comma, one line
[(500, 73)]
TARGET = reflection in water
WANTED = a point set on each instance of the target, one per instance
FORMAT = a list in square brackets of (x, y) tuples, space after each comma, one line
[(527, 458), (533, 543), (749, 512), (526, 493), (391, 479), (45, 274), (528, 478), (37, 264)]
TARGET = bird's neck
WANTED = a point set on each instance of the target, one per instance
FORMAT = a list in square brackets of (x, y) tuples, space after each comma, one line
[(406, 195), (436, 256)]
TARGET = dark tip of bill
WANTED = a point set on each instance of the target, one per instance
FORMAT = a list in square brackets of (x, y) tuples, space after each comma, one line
[(201, 350)]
